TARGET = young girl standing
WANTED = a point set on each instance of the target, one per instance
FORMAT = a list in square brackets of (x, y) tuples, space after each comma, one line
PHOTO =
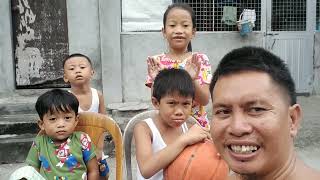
[(78, 72), (179, 28)]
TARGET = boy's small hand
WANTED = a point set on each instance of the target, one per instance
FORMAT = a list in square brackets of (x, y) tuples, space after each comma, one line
[(196, 134), (153, 67), (102, 167)]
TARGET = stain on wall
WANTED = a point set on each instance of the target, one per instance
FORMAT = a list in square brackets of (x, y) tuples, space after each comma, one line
[(40, 37)]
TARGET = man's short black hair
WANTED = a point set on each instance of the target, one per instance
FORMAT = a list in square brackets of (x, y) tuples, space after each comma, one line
[(256, 59), (56, 100), (170, 81), (76, 55)]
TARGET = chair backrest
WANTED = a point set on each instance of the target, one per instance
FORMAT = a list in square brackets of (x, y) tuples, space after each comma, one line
[(128, 135), (95, 124)]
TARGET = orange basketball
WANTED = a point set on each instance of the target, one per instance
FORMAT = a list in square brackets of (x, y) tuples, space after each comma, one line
[(200, 161)]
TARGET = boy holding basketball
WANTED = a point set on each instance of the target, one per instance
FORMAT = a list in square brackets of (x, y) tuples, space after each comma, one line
[(161, 139)]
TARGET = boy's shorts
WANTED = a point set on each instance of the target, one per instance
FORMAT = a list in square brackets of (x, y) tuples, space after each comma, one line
[(103, 165)]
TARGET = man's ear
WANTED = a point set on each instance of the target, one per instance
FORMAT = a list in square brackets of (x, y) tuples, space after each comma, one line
[(295, 119), (155, 102)]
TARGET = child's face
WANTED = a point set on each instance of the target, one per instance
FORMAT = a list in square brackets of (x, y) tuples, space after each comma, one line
[(178, 29), (77, 70), (174, 109), (58, 125)]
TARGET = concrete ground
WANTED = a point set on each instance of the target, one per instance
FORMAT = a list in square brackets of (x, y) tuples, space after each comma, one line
[(307, 143)]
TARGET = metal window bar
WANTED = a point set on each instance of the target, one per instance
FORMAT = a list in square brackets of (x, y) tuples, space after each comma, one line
[(289, 15), (318, 16), (203, 10), (209, 13)]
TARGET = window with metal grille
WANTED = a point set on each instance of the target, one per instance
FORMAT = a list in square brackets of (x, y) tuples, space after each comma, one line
[(318, 16), (289, 15), (210, 14)]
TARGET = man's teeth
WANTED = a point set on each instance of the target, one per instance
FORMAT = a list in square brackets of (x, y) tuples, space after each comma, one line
[(243, 149)]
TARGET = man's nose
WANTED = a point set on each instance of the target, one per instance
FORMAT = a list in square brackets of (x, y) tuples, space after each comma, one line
[(239, 125)]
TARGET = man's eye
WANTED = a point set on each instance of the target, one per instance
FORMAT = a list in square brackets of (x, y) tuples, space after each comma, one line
[(186, 25), (255, 110), (71, 69), (222, 113), (82, 67)]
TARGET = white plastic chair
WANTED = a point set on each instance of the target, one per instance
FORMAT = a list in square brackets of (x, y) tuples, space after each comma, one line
[(128, 135)]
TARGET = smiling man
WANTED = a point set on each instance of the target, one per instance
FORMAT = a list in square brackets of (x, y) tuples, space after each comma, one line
[(256, 116)]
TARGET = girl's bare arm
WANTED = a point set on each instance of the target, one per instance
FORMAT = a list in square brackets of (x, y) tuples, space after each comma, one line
[(201, 93)]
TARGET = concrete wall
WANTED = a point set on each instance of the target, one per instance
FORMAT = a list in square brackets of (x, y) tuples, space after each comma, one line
[(316, 80), (136, 47), (7, 77), (84, 33), (84, 37), (119, 58), (110, 24)]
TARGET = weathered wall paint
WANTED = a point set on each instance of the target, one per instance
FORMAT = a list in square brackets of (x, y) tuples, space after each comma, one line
[(29, 59), (41, 41)]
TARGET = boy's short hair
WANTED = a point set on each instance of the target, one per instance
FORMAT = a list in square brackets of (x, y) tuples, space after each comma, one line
[(172, 80), (256, 59), (56, 100), (76, 55)]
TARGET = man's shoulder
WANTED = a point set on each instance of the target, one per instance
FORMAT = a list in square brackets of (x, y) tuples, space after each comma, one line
[(306, 172), (312, 175)]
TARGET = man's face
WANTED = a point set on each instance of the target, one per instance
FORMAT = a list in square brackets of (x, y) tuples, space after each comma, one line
[(253, 123)]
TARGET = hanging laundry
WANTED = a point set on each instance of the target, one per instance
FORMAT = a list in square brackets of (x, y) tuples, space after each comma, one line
[(229, 15), (246, 21), (250, 15)]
